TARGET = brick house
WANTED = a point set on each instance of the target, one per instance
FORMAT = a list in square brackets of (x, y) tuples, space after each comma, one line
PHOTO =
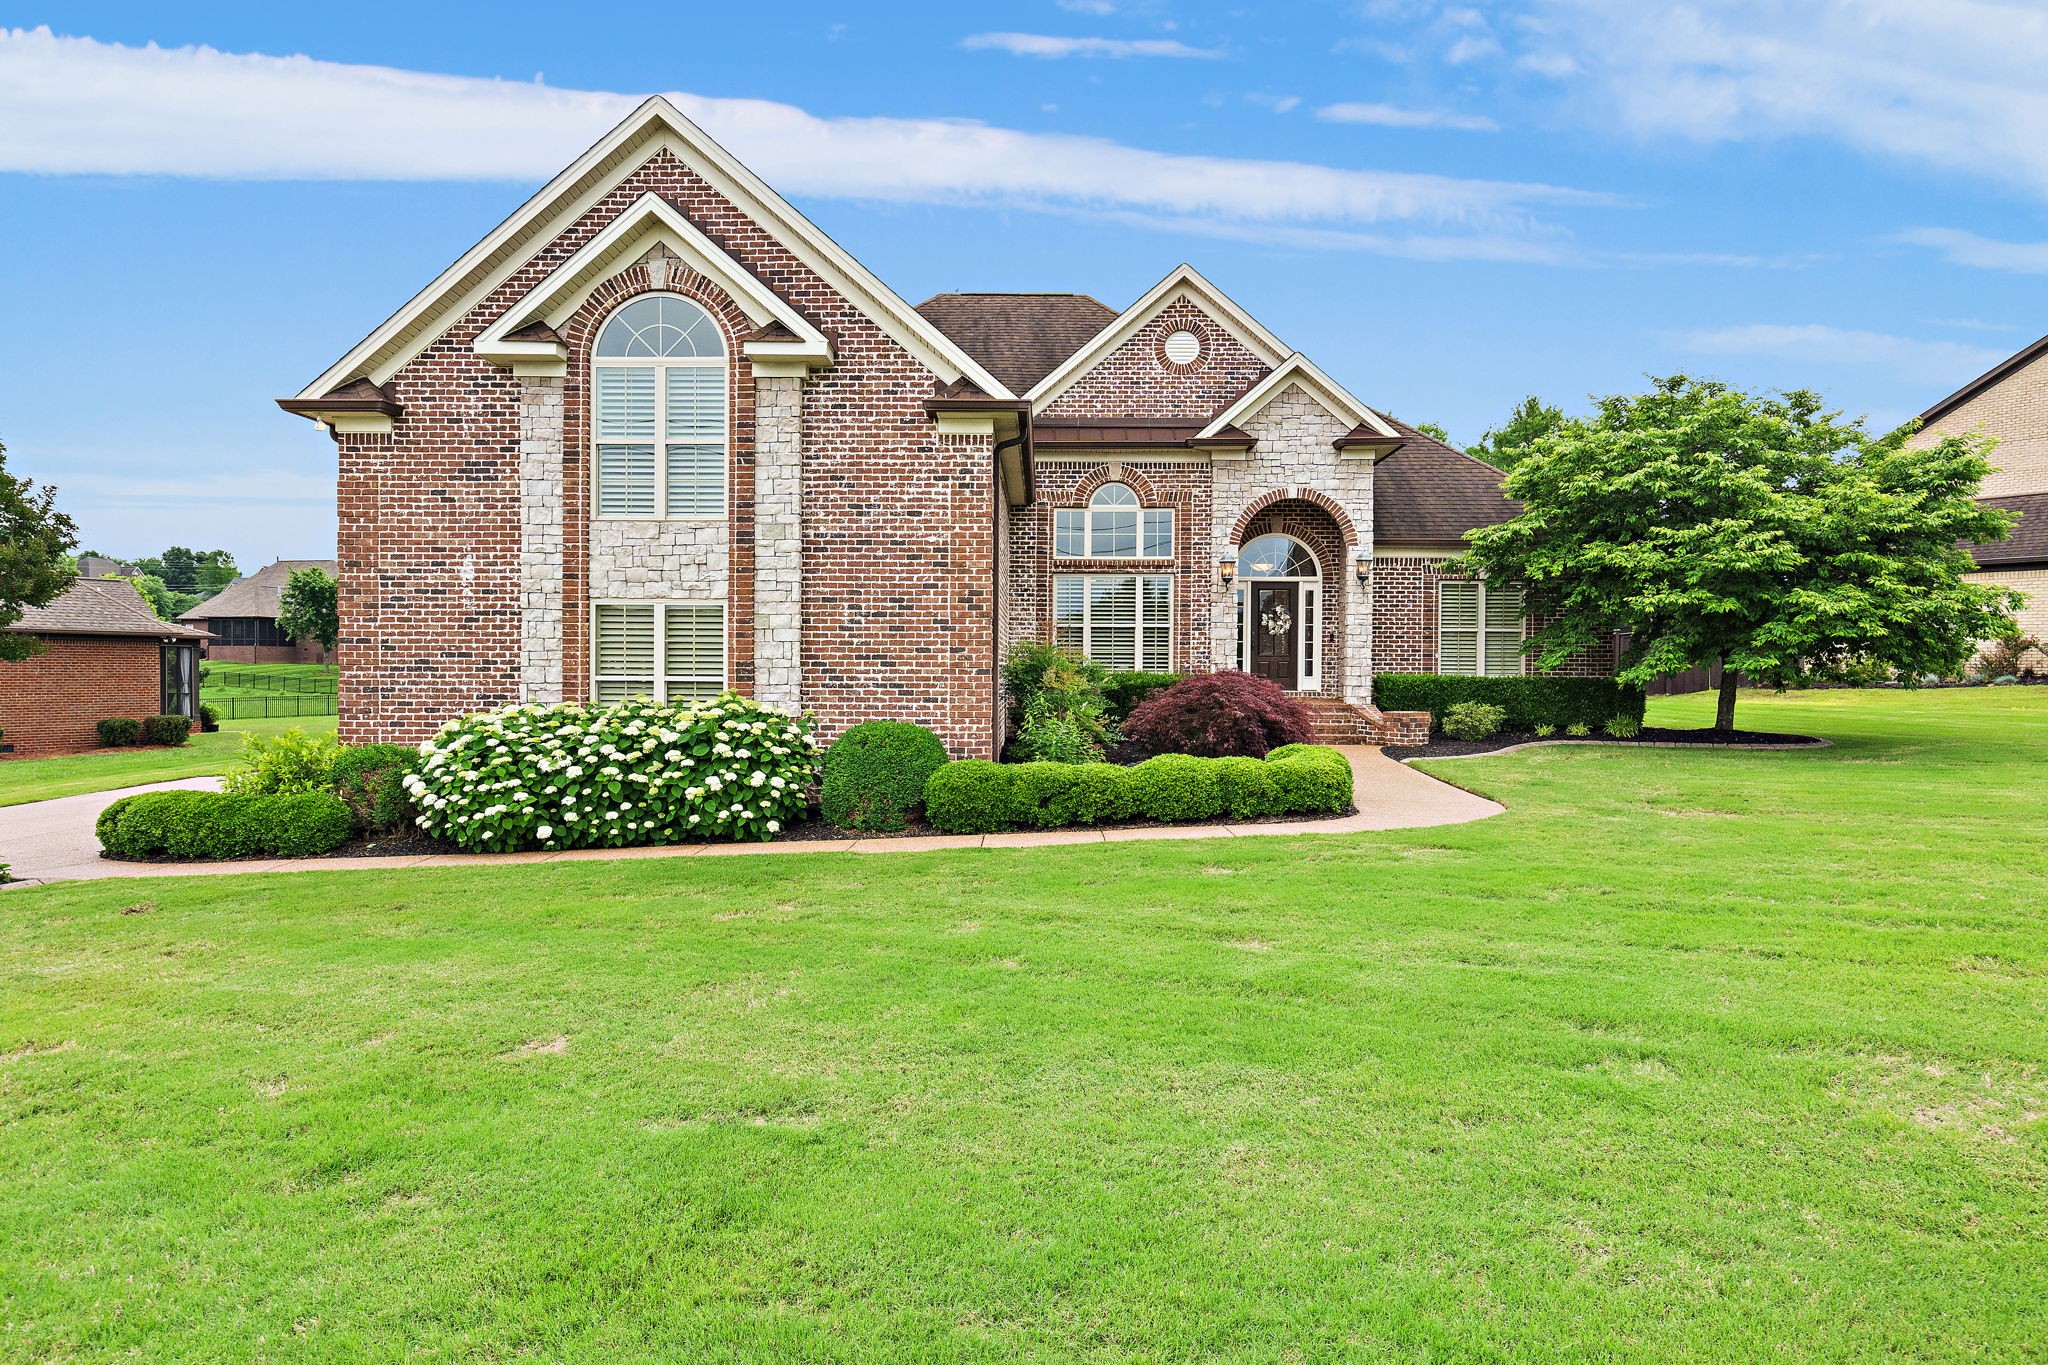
[(657, 433), (2009, 402), (104, 654), (242, 618)]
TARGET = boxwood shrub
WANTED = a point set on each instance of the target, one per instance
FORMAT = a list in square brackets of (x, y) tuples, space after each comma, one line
[(875, 774), (370, 780), (975, 796), (185, 824), (115, 731), (167, 730), (1527, 701)]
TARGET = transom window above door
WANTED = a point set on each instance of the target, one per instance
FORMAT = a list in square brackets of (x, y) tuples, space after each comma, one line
[(658, 411), (1113, 526)]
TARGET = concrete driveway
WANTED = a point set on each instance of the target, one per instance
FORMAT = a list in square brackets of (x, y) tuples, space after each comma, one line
[(53, 840)]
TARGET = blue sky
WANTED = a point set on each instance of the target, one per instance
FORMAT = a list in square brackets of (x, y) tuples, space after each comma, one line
[(1447, 205)]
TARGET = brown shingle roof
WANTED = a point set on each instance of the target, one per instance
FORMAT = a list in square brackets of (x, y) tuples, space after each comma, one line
[(1018, 338), (1426, 491), (2028, 541), (257, 594), (101, 606)]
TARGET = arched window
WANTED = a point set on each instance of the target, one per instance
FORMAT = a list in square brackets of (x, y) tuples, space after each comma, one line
[(658, 402), (1276, 556), (1113, 526)]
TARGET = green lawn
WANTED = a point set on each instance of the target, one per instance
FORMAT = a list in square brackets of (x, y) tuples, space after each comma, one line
[(1689, 1056), (268, 691), (39, 779)]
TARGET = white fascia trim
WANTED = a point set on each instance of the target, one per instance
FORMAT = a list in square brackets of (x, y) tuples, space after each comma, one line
[(650, 219), (1299, 369), (661, 125), (1182, 279)]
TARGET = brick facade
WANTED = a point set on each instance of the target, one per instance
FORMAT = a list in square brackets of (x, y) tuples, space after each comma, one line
[(2015, 412), (52, 702)]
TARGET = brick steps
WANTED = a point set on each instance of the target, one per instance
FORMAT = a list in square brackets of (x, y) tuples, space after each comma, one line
[(1336, 721)]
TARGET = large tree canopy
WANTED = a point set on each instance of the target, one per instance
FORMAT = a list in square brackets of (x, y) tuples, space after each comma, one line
[(309, 609), (35, 555), (1531, 421), (201, 573), (1764, 534)]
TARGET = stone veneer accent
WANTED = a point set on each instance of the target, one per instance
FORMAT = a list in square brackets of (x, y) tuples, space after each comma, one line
[(540, 538), (778, 540), (658, 560)]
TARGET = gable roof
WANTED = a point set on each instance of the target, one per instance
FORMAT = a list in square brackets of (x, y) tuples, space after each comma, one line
[(1183, 279), (2028, 541), (1997, 374), (1019, 338), (1297, 369), (654, 126), (257, 594), (1427, 491), (101, 606)]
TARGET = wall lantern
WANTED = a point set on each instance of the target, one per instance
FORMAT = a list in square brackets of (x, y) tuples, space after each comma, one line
[(1226, 569), (1364, 568)]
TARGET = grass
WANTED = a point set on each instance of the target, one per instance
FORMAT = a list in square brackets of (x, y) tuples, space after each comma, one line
[(39, 779), (1688, 1057), (268, 691)]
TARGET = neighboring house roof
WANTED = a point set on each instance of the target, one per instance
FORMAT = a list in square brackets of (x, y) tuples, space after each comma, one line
[(2028, 542), (101, 606), (1018, 338), (257, 594), (99, 566), (2017, 361), (1427, 491)]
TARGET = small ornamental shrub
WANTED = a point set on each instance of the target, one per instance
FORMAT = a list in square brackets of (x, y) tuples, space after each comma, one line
[(1038, 792), (277, 765), (1223, 714), (1030, 668), (1578, 729), (1309, 779), (2004, 680), (209, 718), (1093, 794), (875, 774), (1474, 720), (1176, 787), (1529, 701), (1123, 691), (1545, 731), (188, 824), (2003, 658), (1052, 735), (639, 772), (1621, 727), (971, 796), (170, 731), (119, 730), (370, 780), (1244, 786)]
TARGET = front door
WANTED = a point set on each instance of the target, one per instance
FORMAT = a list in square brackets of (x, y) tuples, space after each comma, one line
[(1275, 625)]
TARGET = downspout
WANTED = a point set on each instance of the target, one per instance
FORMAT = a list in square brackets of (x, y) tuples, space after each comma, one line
[(997, 562)]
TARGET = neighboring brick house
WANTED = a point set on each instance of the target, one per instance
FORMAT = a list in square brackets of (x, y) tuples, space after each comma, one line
[(105, 654), (2009, 402), (657, 432), (242, 618)]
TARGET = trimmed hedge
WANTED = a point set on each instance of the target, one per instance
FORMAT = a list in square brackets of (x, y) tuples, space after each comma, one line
[(875, 774), (182, 824), (1123, 691), (116, 731), (170, 731), (975, 796), (1528, 702), (370, 780)]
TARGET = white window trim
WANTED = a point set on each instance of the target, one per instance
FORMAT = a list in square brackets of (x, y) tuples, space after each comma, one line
[(661, 609), (1479, 654), (1138, 627), (661, 441), (1308, 650), (1089, 511)]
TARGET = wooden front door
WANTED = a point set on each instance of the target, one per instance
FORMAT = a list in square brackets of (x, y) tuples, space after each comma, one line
[(1275, 627)]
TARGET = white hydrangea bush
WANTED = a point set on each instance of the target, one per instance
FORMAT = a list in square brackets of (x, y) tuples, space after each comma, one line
[(639, 772)]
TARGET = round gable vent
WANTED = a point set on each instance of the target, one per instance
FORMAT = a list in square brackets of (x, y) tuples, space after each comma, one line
[(1183, 347)]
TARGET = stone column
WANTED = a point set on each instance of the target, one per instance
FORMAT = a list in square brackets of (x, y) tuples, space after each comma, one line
[(778, 539), (540, 537)]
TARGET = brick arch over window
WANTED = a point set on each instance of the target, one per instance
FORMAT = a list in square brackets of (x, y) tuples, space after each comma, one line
[(1116, 473), (1307, 495), (1320, 526)]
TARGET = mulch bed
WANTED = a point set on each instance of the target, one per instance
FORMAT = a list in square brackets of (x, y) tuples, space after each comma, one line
[(1441, 746)]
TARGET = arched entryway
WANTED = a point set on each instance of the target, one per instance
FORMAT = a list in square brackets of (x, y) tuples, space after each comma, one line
[(1288, 598)]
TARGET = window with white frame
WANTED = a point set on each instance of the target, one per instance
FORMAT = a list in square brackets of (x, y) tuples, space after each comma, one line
[(1113, 526), (1121, 621), (1479, 628), (671, 651), (658, 406)]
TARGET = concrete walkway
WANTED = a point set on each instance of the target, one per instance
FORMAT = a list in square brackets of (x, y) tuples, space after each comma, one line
[(51, 841)]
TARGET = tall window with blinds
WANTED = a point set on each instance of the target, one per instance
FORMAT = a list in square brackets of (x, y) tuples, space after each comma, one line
[(1121, 621), (671, 651), (1479, 628), (658, 419)]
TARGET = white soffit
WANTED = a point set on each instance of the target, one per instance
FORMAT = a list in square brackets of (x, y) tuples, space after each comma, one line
[(655, 126), (1182, 281), (1299, 369)]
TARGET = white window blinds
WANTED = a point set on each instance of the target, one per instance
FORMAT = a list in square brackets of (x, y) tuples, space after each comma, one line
[(1479, 628), (672, 651), (1121, 621), (660, 434)]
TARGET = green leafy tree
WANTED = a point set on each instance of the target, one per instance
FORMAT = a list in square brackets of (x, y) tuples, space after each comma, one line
[(1504, 447), (1432, 429), (1763, 534), (201, 572), (36, 541), (310, 607), (165, 603)]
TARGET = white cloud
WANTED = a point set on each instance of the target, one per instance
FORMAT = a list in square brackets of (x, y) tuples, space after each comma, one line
[(1388, 116), (1813, 344), (1985, 253), (79, 106), (1471, 48), (1279, 104), (1097, 7), (1047, 45), (1954, 85)]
